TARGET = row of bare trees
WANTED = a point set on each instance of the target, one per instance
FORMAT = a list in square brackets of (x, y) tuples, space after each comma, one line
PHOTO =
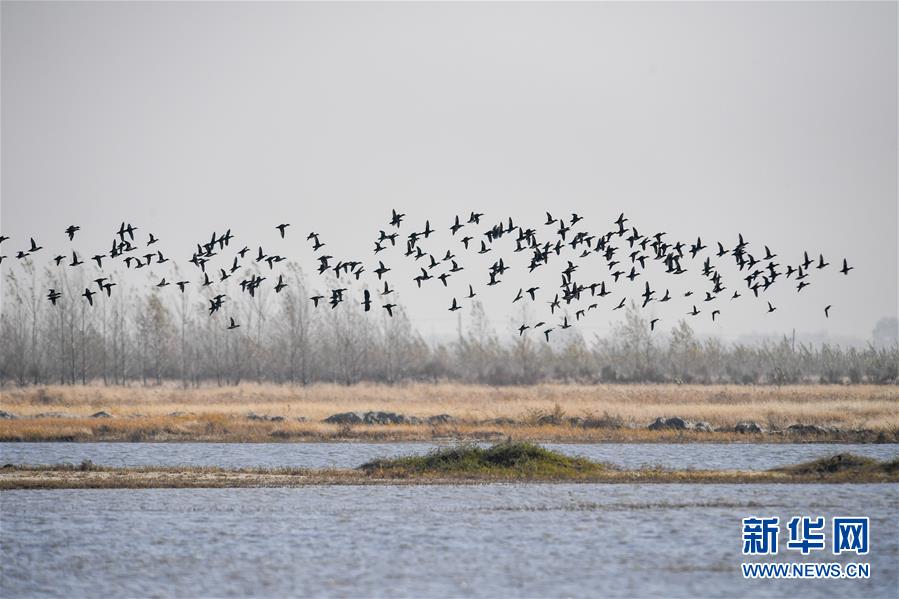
[(163, 335)]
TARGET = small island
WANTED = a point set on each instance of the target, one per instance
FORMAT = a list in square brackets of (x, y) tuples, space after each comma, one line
[(507, 462)]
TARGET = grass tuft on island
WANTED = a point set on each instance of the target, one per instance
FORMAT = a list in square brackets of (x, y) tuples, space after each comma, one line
[(844, 467), (519, 460)]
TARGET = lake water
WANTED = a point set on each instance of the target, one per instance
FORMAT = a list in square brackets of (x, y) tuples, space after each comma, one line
[(349, 455), (504, 540)]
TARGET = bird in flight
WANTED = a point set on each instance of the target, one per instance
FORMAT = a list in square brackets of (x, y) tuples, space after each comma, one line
[(381, 270), (280, 284), (846, 268), (53, 296)]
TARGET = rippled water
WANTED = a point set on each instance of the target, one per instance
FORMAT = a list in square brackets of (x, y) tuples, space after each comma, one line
[(490, 541), (349, 455)]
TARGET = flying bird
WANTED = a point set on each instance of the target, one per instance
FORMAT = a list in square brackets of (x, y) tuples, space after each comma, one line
[(280, 284), (53, 296), (846, 268)]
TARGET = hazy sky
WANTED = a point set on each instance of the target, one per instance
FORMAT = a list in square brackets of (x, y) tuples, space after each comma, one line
[(775, 120)]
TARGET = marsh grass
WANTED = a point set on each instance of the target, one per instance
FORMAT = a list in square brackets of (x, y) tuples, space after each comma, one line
[(843, 465), (507, 460), (857, 406), (538, 413), (527, 461)]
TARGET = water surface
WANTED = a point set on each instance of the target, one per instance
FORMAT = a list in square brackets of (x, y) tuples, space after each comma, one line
[(533, 540)]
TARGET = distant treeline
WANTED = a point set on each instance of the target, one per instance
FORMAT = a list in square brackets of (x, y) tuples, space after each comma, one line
[(165, 335)]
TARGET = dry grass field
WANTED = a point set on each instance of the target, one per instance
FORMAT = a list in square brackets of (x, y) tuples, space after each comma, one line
[(539, 412)]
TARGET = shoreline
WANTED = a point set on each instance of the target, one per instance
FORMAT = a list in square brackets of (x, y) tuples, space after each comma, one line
[(24, 478), (501, 464), (200, 429)]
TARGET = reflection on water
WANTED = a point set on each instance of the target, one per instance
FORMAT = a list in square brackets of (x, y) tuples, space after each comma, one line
[(349, 455), (491, 540)]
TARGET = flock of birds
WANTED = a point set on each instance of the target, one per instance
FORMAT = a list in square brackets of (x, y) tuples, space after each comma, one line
[(624, 251)]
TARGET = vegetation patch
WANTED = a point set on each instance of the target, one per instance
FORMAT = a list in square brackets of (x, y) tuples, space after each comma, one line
[(504, 460), (425, 412), (844, 467), (466, 464)]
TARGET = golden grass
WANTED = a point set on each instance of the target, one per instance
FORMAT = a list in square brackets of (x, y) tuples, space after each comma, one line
[(219, 413)]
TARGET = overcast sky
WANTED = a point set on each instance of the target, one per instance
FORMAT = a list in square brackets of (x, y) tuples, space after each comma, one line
[(776, 120)]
